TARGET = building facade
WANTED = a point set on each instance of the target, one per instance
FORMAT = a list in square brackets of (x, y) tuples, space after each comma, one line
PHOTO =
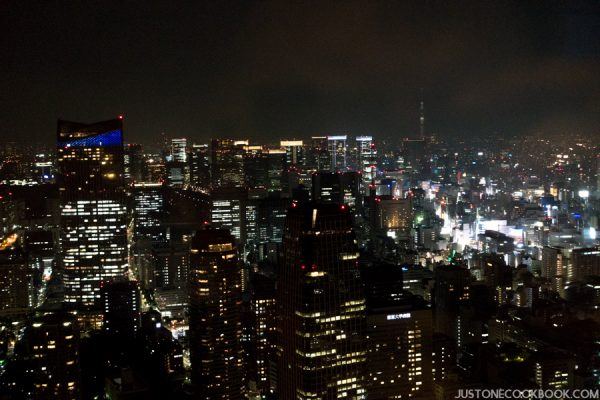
[(321, 306), (93, 234)]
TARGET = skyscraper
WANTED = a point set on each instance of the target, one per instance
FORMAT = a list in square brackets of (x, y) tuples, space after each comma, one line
[(262, 368), (338, 151), (121, 313), (133, 163), (178, 173), (93, 212), (228, 211), (148, 206), (321, 306), (367, 160), (294, 150), (318, 155), (199, 159), (179, 150), (227, 157), (215, 315)]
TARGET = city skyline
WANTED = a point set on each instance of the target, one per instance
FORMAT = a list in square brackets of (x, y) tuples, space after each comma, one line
[(241, 200)]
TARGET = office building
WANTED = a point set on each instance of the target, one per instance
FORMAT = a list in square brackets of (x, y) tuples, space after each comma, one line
[(148, 208), (585, 263), (392, 216), (318, 158), (263, 368), (263, 168), (228, 211), (399, 337), (451, 289), (215, 315), (121, 308), (227, 157), (554, 266), (294, 152), (133, 161), (93, 234), (321, 306), (199, 159), (366, 160), (171, 262), (179, 150), (337, 187), (338, 151), (50, 348)]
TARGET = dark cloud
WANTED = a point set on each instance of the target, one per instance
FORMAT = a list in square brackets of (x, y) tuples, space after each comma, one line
[(260, 69)]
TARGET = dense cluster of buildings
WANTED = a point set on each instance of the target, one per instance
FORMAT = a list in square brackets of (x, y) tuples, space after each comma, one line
[(334, 267)]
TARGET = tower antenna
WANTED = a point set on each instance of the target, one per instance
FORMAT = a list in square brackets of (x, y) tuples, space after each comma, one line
[(422, 116)]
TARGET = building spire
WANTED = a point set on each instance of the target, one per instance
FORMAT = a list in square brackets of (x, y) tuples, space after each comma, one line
[(422, 116)]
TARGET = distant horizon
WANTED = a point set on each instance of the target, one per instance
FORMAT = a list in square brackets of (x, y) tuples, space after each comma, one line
[(257, 69), (152, 140)]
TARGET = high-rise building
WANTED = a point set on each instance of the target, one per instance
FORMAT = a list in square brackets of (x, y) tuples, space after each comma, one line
[(199, 159), (263, 167), (50, 346), (392, 216), (294, 152), (399, 337), (271, 214), (338, 151), (215, 315), (366, 160), (163, 355), (585, 263), (178, 173), (443, 360), (554, 266), (262, 368), (121, 308), (451, 289), (227, 158), (276, 161), (179, 150), (133, 161), (171, 264), (255, 167), (148, 206), (318, 158), (228, 211), (321, 306), (93, 235), (336, 187)]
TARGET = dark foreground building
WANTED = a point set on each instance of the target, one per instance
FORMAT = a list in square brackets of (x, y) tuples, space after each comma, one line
[(215, 315), (321, 306)]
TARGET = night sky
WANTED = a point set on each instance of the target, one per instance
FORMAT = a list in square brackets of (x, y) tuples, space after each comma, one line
[(277, 69)]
